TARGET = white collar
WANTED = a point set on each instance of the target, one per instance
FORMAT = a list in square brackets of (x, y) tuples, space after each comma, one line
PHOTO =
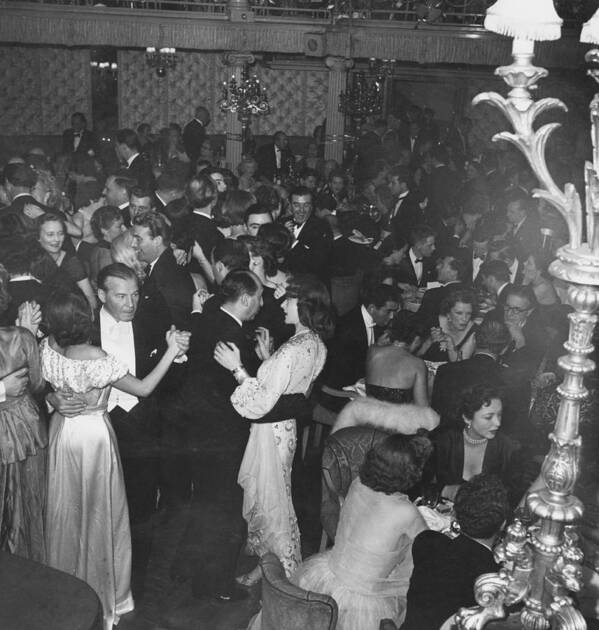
[(367, 317), (203, 214), (154, 262), (502, 287), (124, 205), (224, 310), (413, 257), (160, 198), (403, 195), (519, 225), (22, 195), (199, 121), (277, 149), (23, 277), (131, 159), (109, 321)]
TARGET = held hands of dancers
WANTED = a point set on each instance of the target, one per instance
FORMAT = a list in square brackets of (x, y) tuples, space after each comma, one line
[(177, 341), (29, 316)]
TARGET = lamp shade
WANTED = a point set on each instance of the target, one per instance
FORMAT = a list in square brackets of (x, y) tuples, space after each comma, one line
[(590, 30), (535, 20)]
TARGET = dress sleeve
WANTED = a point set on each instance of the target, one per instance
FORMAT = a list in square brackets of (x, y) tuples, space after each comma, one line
[(256, 396), (36, 380), (103, 372)]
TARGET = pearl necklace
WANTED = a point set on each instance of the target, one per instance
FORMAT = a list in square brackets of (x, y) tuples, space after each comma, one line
[(472, 441)]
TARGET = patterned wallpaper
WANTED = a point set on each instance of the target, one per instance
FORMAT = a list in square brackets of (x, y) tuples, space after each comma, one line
[(43, 87), (297, 96)]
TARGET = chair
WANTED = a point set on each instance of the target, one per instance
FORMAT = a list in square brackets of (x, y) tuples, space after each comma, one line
[(343, 454), (287, 606)]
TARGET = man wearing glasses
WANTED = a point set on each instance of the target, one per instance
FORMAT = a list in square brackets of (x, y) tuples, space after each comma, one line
[(312, 237)]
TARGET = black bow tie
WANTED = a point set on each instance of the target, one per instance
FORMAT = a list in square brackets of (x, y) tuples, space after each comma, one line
[(418, 260), (77, 135)]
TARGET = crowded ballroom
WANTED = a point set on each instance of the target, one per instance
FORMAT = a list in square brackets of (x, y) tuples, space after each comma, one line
[(298, 314)]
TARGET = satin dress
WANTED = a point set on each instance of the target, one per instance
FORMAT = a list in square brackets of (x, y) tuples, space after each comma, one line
[(87, 520)]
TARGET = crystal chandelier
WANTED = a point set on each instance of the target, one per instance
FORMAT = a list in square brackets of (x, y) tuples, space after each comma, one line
[(245, 97), (162, 59), (364, 97), (541, 564)]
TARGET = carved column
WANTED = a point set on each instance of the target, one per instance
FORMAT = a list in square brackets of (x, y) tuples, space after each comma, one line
[(235, 61), (338, 67)]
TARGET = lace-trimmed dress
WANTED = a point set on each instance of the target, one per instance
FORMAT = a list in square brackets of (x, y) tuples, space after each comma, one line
[(87, 520), (265, 473)]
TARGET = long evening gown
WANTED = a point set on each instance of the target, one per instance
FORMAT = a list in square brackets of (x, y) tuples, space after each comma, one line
[(265, 472), (87, 520), (23, 441), (368, 570)]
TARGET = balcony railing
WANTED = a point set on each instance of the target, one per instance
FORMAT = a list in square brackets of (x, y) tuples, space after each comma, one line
[(456, 13)]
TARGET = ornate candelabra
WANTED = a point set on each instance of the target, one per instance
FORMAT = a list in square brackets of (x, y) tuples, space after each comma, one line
[(162, 59), (363, 98), (541, 564), (245, 97)]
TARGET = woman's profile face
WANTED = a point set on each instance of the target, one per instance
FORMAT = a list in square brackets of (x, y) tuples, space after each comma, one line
[(486, 421), (460, 315), (51, 236)]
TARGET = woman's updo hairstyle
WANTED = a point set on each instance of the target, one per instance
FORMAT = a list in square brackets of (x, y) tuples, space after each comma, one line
[(67, 317), (313, 304), (395, 464), (463, 296), (478, 396)]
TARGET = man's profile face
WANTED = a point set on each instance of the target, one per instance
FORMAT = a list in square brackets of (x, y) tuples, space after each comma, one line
[(383, 315), (301, 208), (255, 221), (114, 194), (148, 247), (120, 298), (426, 247)]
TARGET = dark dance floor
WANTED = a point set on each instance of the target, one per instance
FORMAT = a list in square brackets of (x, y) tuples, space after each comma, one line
[(163, 604)]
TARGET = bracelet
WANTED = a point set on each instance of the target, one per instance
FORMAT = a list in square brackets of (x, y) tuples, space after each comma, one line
[(237, 369)]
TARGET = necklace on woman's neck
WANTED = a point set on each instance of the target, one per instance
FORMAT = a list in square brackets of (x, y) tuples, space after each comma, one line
[(474, 441)]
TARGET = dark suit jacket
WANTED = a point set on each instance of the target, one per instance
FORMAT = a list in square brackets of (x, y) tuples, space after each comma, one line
[(88, 142), (453, 378), (442, 189), (200, 228), (13, 222), (141, 170), (528, 238), (194, 133), (312, 252), (407, 275), (408, 216), (267, 162), (346, 357), (170, 285), (429, 310), (23, 291), (443, 579)]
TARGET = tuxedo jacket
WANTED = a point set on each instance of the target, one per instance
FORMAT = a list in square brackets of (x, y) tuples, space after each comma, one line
[(430, 308), (442, 189), (194, 134), (140, 169), (346, 356), (87, 143), (528, 237), (442, 581), (312, 251), (407, 275), (267, 161), (204, 231), (168, 292), (408, 216)]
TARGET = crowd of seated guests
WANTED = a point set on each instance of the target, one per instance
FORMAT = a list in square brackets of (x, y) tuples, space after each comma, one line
[(432, 260)]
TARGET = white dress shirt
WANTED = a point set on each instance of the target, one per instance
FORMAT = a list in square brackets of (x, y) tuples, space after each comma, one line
[(278, 156), (370, 324), (224, 310), (418, 266), (398, 204), (117, 339), (76, 139), (130, 160)]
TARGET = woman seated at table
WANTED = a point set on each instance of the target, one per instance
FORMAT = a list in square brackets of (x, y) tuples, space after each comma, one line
[(453, 340), (368, 570), (480, 447), (393, 373)]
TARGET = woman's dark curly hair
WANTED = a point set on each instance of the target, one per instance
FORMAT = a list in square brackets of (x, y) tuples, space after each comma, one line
[(278, 238), (462, 296), (260, 247), (478, 396), (67, 317), (481, 506), (313, 304), (395, 464)]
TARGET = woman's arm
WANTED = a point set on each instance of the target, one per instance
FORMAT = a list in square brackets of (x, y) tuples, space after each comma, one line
[(420, 388), (146, 386), (198, 254), (86, 287)]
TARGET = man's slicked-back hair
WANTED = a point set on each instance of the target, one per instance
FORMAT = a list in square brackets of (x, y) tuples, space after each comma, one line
[(497, 269), (115, 270), (421, 233), (156, 224), (379, 294), (237, 283), (232, 254), (129, 138)]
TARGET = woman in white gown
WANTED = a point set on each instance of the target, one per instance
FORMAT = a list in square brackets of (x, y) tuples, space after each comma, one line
[(265, 472), (87, 520), (367, 572)]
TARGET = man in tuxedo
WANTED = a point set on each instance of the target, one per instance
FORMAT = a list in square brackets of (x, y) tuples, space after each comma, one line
[(312, 237), (211, 545), (117, 192), (166, 282), (138, 164), (355, 332), (16, 219), (492, 338), (405, 213), (417, 268), (413, 141), (524, 231), (451, 275), (275, 159), (255, 216), (78, 140), (194, 133), (441, 188), (495, 278), (169, 187)]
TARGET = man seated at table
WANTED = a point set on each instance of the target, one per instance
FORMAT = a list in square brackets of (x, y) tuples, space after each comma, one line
[(445, 569)]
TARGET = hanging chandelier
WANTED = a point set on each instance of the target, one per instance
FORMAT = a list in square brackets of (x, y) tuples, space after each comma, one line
[(246, 97), (364, 97), (162, 59)]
